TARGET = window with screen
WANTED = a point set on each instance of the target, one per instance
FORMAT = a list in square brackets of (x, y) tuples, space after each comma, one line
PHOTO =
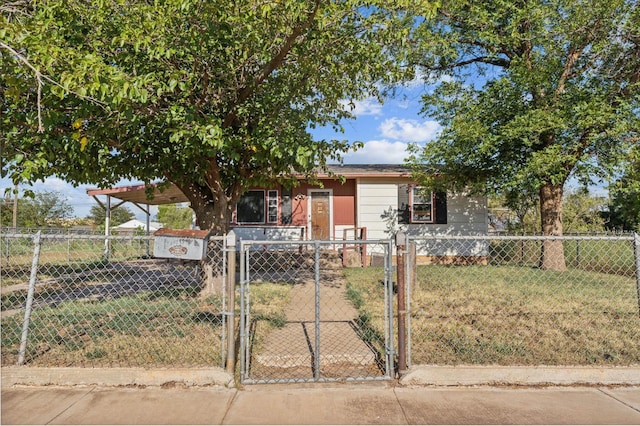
[(250, 208), (286, 208), (272, 207), (415, 207), (421, 205)]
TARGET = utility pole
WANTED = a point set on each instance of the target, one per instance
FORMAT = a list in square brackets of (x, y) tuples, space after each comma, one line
[(15, 209)]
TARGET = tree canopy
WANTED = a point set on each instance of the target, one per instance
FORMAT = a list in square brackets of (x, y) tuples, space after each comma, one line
[(212, 95), (175, 217), (97, 215), (624, 207), (46, 208), (530, 94)]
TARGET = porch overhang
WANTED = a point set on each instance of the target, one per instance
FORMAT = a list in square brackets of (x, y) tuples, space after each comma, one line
[(137, 194)]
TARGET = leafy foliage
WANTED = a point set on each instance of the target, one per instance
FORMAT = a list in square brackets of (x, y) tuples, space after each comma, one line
[(624, 208), (530, 94), (175, 217), (214, 96), (583, 212), (43, 209), (117, 216)]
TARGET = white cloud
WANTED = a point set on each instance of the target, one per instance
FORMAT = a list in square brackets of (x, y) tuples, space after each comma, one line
[(55, 184), (409, 130), (369, 106), (378, 152)]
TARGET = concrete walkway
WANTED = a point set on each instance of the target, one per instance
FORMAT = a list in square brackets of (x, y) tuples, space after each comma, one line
[(289, 352), (354, 403)]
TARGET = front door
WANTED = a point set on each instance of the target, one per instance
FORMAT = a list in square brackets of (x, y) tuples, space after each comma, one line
[(320, 215)]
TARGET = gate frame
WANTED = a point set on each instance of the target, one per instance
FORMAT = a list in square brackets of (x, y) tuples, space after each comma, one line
[(245, 308)]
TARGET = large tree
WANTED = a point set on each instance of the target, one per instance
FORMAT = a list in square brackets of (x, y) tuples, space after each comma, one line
[(530, 94), (211, 95), (624, 207), (38, 210)]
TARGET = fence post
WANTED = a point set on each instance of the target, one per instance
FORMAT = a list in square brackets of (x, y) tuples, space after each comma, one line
[(244, 282), (69, 245), (412, 269), (402, 313), (231, 300), (30, 294), (316, 361), (636, 252), (107, 224)]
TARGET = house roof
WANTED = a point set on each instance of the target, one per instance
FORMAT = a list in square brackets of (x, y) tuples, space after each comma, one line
[(369, 170), (171, 194), (135, 223), (137, 194)]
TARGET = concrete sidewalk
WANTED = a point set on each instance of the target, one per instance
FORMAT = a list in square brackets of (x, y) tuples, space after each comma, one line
[(353, 403)]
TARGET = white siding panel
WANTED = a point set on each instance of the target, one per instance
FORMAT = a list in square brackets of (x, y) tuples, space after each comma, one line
[(374, 198), (253, 233), (466, 215)]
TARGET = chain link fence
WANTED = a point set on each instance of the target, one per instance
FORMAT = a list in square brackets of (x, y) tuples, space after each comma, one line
[(96, 301), (487, 300), (303, 313)]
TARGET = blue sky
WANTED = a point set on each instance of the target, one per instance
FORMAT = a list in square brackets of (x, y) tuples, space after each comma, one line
[(385, 130)]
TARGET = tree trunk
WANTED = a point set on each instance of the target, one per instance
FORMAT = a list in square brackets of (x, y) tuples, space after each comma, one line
[(552, 258), (213, 212)]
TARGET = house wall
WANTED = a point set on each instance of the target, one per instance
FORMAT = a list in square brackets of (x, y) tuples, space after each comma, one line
[(466, 215), (344, 205), (377, 200), (376, 210), (344, 208)]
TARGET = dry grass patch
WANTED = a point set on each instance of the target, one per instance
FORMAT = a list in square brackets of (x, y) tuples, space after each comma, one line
[(509, 315), (158, 328)]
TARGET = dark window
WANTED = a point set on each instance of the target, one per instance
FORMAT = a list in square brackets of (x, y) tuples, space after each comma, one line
[(250, 207), (440, 199), (286, 208), (417, 206)]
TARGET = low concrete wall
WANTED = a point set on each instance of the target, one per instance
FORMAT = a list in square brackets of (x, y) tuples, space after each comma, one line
[(525, 376), (418, 375), (63, 376)]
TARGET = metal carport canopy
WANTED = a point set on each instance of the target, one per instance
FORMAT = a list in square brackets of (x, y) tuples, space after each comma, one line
[(137, 195)]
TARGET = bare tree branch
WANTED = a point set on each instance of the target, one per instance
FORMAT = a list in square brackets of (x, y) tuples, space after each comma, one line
[(40, 77)]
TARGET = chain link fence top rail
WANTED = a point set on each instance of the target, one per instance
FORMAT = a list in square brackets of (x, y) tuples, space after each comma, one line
[(102, 301), (486, 300)]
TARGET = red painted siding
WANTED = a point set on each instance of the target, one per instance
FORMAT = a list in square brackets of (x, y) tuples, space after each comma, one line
[(344, 202)]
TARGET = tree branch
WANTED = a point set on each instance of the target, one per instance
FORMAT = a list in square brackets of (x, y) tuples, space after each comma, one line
[(40, 77), (480, 59), (276, 61)]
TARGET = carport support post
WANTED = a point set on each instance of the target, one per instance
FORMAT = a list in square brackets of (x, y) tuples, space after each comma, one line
[(401, 251), (231, 301), (107, 224)]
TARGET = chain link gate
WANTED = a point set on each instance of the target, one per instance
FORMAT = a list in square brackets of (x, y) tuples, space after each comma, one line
[(300, 318)]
